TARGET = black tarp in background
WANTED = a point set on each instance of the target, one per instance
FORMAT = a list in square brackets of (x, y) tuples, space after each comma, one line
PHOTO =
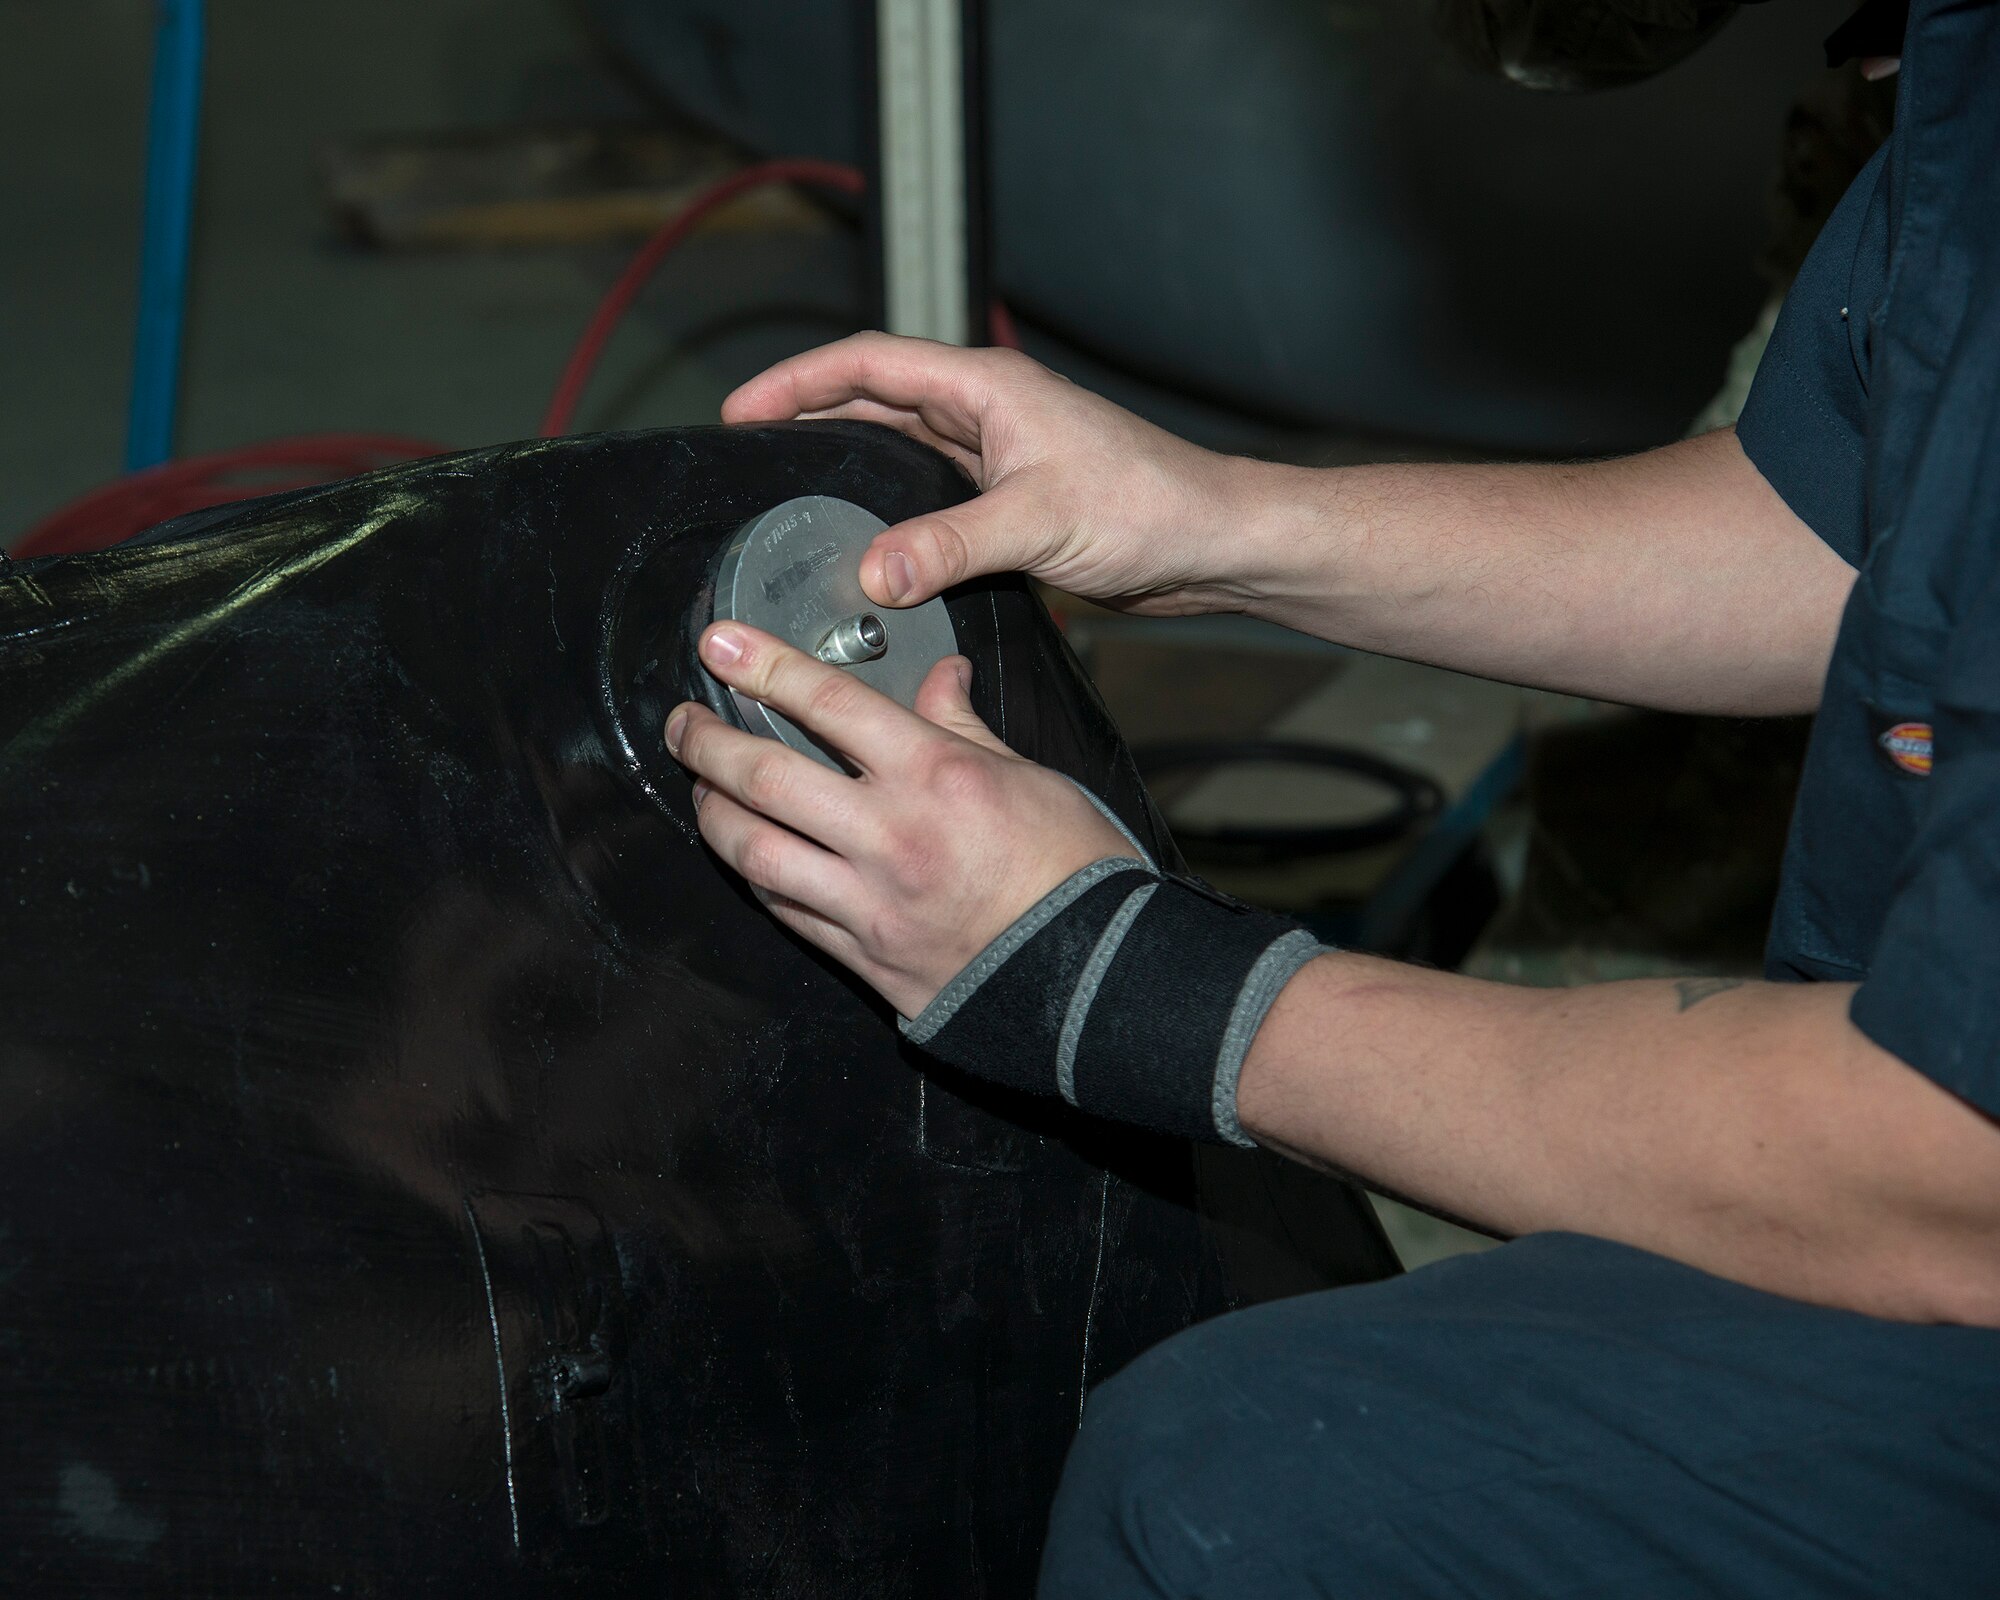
[(1314, 209)]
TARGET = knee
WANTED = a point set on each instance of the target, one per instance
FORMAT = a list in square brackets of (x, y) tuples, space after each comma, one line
[(1138, 1424), (1161, 1489), (1135, 1426)]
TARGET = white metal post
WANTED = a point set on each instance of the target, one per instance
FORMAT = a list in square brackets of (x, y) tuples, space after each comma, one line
[(920, 81)]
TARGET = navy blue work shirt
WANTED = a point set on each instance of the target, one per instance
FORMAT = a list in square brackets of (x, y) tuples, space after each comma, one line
[(1876, 415)]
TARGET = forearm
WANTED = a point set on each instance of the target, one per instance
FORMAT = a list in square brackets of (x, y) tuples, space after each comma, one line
[(1754, 1132), (1677, 578)]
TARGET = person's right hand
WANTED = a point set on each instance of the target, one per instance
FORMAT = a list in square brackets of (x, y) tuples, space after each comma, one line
[(1077, 492)]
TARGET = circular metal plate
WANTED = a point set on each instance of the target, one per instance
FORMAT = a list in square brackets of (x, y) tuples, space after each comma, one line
[(796, 572)]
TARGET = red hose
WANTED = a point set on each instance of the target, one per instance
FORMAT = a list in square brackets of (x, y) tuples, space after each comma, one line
[(131, 504), (619, 297), (142, 500)]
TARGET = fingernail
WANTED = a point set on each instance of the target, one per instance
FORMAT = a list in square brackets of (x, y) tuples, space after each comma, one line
[(702, 790), (675, 724), (723, 648), (899, 577), (964, 671)]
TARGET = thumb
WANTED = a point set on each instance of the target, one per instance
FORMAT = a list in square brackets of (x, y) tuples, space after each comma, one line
[(945, 698), (999, 531)]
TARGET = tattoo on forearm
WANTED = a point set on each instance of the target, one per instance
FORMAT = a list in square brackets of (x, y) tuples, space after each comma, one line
[(1695, 990)]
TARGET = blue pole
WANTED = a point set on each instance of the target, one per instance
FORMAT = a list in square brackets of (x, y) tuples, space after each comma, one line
[(173, 137)]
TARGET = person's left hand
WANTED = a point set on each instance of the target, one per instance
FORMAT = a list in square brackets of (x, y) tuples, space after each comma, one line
[(908, 870)]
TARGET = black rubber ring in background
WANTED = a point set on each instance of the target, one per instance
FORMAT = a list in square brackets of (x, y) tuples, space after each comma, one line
[(1417, 799)]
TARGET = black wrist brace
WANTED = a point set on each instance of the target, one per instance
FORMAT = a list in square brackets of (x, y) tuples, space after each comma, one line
[(1130, 993)]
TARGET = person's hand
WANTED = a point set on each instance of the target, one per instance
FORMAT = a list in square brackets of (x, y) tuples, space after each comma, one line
[(908, 870), (1078, 492)]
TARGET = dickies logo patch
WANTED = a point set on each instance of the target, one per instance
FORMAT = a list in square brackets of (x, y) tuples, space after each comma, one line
[(1908, 747)]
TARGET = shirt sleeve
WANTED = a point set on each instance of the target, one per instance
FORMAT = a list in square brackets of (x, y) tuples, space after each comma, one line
[(1806, 418)]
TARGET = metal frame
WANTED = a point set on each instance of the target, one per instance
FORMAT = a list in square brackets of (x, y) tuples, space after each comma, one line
[(929, 159)]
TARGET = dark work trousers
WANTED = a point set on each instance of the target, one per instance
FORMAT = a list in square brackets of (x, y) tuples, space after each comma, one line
[(1559, 1417)]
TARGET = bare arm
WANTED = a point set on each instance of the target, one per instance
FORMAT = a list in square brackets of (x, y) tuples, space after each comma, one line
[(1677, 578), (1746, 1128)]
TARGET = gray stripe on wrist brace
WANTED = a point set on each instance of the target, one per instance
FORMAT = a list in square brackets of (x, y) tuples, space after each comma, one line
[(1275, 968), (1115, 820), (946, 1003), (1086, 988), (1130, 994)]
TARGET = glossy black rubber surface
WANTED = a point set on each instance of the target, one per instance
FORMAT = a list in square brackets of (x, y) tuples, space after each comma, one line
[(423, 1170)]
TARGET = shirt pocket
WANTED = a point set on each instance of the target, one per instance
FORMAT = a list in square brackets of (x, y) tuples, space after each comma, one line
[(1865, 791)]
